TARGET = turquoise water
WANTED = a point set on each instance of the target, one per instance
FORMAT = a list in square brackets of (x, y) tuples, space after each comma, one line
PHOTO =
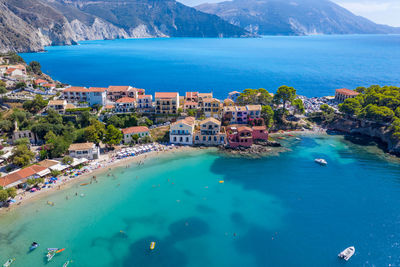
[(315, 65), (277, 211)]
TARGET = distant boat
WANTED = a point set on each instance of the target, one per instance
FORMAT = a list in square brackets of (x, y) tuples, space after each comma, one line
[(9, 262), (321, 162), (347, 253), (152, 245), (33, 246)]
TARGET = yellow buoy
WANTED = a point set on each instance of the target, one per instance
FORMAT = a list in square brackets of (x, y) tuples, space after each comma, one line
[(152, 245), (221, 182)]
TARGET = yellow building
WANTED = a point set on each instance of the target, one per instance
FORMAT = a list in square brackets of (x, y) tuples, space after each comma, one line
[(212, 108), (166, 103), (210, 133)]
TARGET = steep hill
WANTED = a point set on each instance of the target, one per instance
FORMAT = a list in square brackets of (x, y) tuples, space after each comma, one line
[(29, 25), (295, 17)]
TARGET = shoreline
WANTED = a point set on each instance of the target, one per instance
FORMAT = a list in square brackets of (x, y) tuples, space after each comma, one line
[(65, 182)]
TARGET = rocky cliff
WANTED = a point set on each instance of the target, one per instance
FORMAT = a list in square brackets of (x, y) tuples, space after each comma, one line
[(29, 25), (381, 132), (295, 17)]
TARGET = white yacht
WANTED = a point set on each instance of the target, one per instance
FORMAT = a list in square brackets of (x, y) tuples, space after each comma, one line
[(321, 162), (347, 253)]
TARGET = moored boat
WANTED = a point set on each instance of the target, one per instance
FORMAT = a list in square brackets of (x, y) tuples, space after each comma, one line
[(347, 253), (321, 162), (33, 246), (8, 262), (152, 245)]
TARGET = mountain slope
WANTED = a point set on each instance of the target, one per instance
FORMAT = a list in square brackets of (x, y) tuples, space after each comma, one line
[(29, 25), (295, 17)]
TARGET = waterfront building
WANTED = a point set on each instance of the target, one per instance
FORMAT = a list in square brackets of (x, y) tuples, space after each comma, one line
[(342, 94), (192, 96), (212, 107), (93, 95), (181, 132), (144, 104), (20, 176), (260, 133), (210, 133), (116, 92), (241, 114), (233, 95), (239, 136), (125, 104), (141, 131), (84, 150), (166, 103)]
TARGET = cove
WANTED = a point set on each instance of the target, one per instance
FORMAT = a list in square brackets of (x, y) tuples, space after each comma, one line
[(314, 65), (282, 210)]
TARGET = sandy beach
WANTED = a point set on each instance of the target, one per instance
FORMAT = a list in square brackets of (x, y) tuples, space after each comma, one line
[(65, 182)]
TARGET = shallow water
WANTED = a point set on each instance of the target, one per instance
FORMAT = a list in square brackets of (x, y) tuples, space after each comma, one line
[(277, 211), (315, 65)]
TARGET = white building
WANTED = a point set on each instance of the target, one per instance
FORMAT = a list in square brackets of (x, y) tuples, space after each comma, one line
[(84, 150), (93, 95), (144, 103), (141, 131), (181, 132), (125, 105)]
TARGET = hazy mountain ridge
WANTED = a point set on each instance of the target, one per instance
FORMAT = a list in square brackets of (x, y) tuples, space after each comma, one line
[(295, 17), (29, 25)]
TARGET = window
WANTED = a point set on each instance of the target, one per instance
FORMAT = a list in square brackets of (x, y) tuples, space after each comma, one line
[(187, 139), (174, 138)]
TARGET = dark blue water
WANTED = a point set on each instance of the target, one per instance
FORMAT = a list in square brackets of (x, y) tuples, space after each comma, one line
[(314, 65)]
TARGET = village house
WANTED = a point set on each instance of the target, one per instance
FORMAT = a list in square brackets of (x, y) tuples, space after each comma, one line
[(166, 103), (20, 176), (342, 94), (239, 136), (125, 104), (212, 107), (40, 82), (93, 95), (181, 132), (233, 95), (241, 114), (18, 134), (210, 133), (144, 104), (190, 105), (49, 86), (18, 70), (202, 96), (109, 108), (260, 133), (253, 111), (192, 96), (58, 105), (140, 131), (84, 150), (116, 92), (229, 103)]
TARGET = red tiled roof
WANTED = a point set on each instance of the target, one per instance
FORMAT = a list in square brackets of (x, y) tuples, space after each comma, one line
[(135, 129), (37, 81), (109, 106), (20, 174), (49, 85), (97, 89), (244, 128), (191, 103), (260, 128), (345, 91), (144, 96), (192, 94), (113, 88), (126, 100), (165, 95), (10, 70)]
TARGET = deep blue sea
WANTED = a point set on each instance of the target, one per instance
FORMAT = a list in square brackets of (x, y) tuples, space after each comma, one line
[(314, 65), (280, 210)]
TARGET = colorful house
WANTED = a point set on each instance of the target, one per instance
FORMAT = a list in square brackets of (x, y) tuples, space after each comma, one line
[(125, 105), (210, 133), (141, 131), (260, 133), (181, 132), (166, 103), (144, 103), (212, 107), (239, 136)]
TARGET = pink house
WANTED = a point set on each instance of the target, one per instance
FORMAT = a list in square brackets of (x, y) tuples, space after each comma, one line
[(260, 133), (241, 136)]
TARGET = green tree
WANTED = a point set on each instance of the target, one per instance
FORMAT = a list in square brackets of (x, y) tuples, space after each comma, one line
[(116, 121), (298, 106), (19, 85), (22, 156), (95, 132), (284, 95), (378, 113), (35, 67), (67, 160), (3, 90), (35, 105), (268, 115), (3, 84), (113, 136), (351, 106), (6, 125), (22, 141), (192, 112), (254, 97), (3, 195), (84, 119), (135, 138), (12, 192)]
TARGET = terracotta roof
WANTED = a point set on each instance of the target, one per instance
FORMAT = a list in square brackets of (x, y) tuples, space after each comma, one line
[(210, 120), (211, 100), (206, 94), (76, 89), (10, 178), (69, 106), (113, 88), (37, 168), (228, 100), (97, 89), (234, 92), (49, 85), (20, 174), (37, 81), (244, 128), (187, 120), (345, 91), (135, 129), (47, 163), (192, 94), (56, 102), (253, 107), (80, 146), (126, 100), (10, 70), (109, 106), (165, 95), (145, 96), (259, 128), (192, 103)]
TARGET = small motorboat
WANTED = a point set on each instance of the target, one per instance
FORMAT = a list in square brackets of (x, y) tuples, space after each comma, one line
[(66, 263), (50, 255), (347, 253), (321, 162), (8, 262), (33, 246), (152, 245), (60, 250)]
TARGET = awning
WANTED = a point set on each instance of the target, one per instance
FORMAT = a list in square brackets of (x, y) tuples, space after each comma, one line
[(59, 167), (43, 173), (77, 162)]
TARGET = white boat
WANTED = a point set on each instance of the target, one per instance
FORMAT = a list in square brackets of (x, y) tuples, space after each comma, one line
[(321, 161), (347, 253)]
